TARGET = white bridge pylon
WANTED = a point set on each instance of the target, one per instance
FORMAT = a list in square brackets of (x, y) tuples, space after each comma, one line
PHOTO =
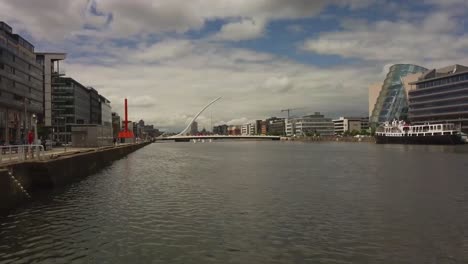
[(193, 120)]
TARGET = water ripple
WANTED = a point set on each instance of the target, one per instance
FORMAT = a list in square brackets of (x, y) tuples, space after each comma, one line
[(253, 202)]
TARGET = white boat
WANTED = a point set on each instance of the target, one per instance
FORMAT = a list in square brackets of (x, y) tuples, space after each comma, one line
[(399, 132)]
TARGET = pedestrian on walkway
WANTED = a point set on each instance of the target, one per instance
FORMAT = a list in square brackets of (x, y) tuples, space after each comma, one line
[(30, 137)]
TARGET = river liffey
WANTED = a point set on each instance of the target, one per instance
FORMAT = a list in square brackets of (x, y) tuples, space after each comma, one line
[(254, 202)]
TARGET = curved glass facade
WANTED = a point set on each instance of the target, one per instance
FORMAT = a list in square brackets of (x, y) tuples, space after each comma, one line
[(392, 102)]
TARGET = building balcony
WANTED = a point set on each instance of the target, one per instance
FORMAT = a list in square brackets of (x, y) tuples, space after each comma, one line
[(58, 73), (420, 89), (419, 105), (460, 114), (413, 95), (438, 107)]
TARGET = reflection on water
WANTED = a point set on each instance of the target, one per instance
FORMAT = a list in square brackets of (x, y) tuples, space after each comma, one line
[(254, 202)]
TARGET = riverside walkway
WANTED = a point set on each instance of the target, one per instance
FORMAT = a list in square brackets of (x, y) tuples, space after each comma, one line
[(17, 155)]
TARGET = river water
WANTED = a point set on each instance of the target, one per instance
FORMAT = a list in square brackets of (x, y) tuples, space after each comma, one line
[(254, 202)]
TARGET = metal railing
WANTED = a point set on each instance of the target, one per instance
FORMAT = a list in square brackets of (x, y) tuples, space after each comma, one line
[(21, 152)]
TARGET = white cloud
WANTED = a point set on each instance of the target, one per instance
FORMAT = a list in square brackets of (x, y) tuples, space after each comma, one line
[(253, 85), (278, 84), (166, 49), (435, 38), (59, 19), (244, 29), (49, 19)]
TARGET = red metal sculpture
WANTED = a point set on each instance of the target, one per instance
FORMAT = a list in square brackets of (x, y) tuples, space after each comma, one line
[(125, 133)]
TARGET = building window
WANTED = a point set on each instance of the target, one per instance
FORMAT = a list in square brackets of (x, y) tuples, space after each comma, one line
[(12, 70), (13, 57), (2, 66), (14, 84)]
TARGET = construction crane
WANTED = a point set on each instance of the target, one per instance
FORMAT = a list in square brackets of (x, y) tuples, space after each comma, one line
[(290, 109)]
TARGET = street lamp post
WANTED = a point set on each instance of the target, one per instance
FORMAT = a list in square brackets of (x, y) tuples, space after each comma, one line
[(34, 119)]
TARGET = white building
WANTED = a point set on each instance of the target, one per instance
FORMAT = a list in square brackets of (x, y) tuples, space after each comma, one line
[(315, 124), (249, 129), (245, 128), (350, 124)]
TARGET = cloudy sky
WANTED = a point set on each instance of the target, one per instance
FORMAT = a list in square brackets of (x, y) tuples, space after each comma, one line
[(171, 57)]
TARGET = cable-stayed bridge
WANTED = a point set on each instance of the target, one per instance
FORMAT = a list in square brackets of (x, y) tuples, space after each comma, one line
[(184, 137)]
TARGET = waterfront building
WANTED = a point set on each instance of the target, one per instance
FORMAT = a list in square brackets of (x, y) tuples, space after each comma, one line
[(52, 69), (272, 126), (275, 126), (21, 93), (440, 96), (194, 128), (316, 124), (134, 127), (349, 124), (249, 128), (220, 130), (95, 104), (150, 131), (264, 127), (245, 128), (234, 130), (392, 101), (253, 129), (116, 124), (70, 106), (106, 111)]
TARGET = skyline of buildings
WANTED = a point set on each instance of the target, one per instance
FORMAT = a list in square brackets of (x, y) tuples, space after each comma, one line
[(34, 91), (31, 83)]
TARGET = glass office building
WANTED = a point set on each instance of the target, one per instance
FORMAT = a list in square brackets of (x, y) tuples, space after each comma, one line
[(392, 101), (441, 96), (70, 106), (21, 94)]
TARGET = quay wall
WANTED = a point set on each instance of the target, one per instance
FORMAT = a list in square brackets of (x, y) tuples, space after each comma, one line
[(331, 139), (55, 172)]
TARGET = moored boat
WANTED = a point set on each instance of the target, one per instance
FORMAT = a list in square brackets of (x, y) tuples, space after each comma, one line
[(398, 132)]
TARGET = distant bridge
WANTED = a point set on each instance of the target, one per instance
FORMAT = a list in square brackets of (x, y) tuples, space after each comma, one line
[(217, 137), (183, 137)]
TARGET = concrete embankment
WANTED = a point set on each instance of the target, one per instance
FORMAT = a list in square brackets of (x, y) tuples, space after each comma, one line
[(331, 139), (19, 180)]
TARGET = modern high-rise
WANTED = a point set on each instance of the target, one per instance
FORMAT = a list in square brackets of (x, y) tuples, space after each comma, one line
[(392, 102), (70, 106), (21, 78), (194, 128), (316, 124), (441, 96), (52, 70)]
